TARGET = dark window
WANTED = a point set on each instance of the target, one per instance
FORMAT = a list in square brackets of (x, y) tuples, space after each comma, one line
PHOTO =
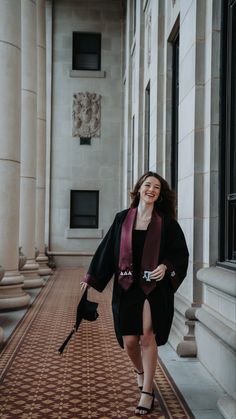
[(147, 128), (175, 113), (228, 136), (85, 141), (86, 51), (84, 209)]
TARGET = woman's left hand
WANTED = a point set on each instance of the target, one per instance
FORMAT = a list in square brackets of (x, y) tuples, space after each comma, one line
[(83, 285), (159, 273)]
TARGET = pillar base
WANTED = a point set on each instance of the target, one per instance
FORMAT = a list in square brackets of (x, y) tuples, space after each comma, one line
[(32, 279), (1, 337), (44, 269), (12, 295)]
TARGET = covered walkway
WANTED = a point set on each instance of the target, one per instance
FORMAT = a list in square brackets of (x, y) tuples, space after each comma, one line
[(93, 378)]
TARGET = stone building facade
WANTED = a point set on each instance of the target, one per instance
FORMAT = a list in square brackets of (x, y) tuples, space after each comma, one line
[(178, 65), (95, 165), (177, 62), (156, 90)]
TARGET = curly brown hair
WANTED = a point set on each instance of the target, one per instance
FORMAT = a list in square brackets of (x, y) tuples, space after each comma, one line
[(166, 202)]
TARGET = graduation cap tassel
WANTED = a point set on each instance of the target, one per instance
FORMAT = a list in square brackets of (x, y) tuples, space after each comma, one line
[(62, 347)]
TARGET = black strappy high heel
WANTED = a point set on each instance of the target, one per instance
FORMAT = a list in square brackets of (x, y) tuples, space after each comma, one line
[(139, 373), (144, 408)]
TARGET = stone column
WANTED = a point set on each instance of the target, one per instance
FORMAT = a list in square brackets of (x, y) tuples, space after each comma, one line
[(42, 259), (1, 330), (28, 144), (11, 294)]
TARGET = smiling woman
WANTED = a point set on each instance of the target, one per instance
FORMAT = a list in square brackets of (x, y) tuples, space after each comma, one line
[(166, 199), (149, 192), (146, 251), (151, 188)]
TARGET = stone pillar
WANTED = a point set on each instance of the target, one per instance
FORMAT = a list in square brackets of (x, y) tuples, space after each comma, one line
[(28, 144), (42, 259), (1, 330), (11, 294)]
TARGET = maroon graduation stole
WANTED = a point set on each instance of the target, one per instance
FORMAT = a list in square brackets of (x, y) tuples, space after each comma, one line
[(150, 256)]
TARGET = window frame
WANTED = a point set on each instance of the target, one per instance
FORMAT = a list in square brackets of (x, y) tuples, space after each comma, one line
[(226, 219), (96, 215), (175, 112), (76, 50)]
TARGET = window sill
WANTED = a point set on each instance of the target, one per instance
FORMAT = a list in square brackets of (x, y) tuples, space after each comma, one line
[(227, 265), (84, 233), (222, 279), (88, 74)]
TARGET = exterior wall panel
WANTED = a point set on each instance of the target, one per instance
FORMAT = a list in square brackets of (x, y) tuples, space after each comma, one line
[(73, 166)]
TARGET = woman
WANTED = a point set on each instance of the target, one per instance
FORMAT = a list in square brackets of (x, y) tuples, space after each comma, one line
[(146, 251)]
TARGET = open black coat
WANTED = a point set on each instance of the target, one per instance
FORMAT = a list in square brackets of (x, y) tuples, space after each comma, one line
[(173, 253)]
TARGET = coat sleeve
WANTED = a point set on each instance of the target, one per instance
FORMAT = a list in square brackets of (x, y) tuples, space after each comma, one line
[(176, 255), (102, 266)]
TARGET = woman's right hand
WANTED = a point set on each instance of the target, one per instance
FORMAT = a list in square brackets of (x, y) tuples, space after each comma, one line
[(84, 286)]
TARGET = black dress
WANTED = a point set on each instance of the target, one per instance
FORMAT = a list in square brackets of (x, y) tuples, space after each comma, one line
[(131, 306), (105, 264)]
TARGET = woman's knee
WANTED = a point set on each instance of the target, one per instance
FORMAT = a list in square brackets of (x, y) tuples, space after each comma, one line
[(147, 339), (131, 342)]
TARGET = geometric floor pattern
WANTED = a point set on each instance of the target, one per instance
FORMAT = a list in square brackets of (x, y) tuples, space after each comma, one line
[(92, 379)]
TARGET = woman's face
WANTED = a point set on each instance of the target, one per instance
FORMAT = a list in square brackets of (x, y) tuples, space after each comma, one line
[(150, 190)]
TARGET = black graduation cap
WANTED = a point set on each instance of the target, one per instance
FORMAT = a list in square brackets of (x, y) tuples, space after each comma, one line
[(86, 310)]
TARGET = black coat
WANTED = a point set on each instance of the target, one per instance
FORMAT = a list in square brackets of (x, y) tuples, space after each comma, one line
[(173, 253)]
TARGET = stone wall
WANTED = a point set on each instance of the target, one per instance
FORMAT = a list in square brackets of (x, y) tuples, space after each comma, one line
[(83, 167), (204, 321)]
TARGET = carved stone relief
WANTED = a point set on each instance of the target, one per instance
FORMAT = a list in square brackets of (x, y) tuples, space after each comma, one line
[(86, 115)]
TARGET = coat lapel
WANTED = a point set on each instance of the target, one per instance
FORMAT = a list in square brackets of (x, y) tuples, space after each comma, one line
[(150, 252), (125, 277)]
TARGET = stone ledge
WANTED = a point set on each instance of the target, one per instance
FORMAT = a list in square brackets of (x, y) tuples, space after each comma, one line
[(88, 74), (69, 253), (227, 406), (84, 233), (220, 329), (219, 278)]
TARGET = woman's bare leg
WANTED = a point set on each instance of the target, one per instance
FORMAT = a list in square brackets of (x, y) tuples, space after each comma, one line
[(149, 348), (132, 347), (149, 356)]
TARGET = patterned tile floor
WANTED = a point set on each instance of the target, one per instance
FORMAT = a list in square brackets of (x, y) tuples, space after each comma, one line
[(92, 379)]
